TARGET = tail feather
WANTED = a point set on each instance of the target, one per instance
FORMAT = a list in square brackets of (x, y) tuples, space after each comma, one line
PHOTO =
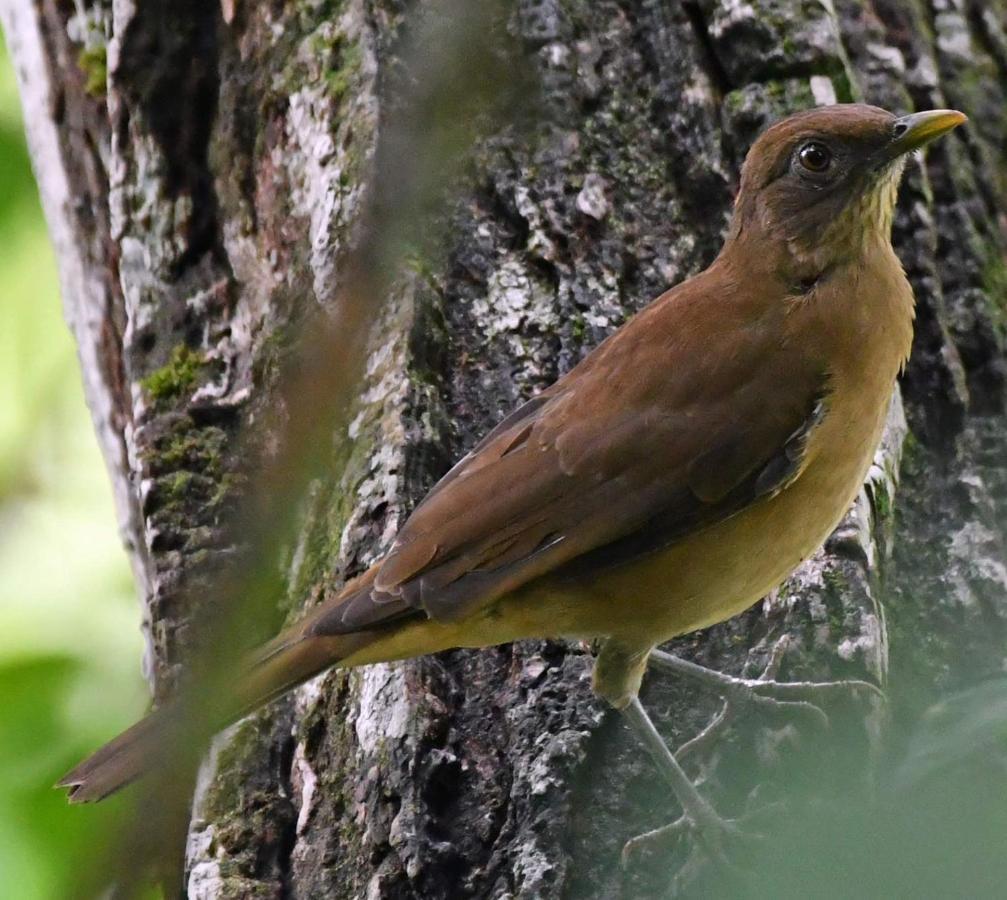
[(160, 737), (120, 762)]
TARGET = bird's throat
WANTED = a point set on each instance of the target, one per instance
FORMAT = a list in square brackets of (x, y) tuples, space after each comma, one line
[(863, 227)]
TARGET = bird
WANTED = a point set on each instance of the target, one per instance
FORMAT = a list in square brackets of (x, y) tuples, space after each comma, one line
[(672, 478)]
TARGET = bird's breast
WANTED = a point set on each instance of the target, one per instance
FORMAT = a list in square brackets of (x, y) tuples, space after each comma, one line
[(857, 330), (722, 570), (725, 568)]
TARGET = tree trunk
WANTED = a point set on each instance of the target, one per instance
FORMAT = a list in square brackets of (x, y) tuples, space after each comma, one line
[(201, 167)]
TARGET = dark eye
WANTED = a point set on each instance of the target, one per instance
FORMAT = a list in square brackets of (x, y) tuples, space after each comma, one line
[(815, 156)]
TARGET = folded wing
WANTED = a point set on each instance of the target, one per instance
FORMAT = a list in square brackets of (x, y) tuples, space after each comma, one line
[(636, 447)]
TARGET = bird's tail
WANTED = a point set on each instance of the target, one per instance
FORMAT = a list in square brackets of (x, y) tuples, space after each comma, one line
[(284, 663)]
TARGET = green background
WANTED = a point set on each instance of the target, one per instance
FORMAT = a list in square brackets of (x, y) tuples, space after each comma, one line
[(70, 643)]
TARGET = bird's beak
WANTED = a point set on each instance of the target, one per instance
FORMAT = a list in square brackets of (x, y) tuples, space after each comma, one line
[(912, 132)]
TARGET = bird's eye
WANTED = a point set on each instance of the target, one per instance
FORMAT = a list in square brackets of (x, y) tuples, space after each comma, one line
[(815, 157)]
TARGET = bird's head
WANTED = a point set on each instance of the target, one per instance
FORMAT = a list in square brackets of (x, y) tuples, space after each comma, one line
[(820, 185)]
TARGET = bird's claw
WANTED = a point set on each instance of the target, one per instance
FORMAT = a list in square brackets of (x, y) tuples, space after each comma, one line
[(713, 835), (764, 692), (664, 838), (710, 838), (714, 841)]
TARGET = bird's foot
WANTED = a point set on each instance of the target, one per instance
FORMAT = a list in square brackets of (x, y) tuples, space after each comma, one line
[(795, 698), (712, 833), (710, 836), (725, 844)]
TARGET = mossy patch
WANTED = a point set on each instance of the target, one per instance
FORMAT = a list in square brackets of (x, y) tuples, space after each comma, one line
[(93, 62), (882, 501), (178, 484), (994, 279), (171, 382), (191, 485), (836, 581), (188, 447), (837, 586), (578, 328), (339, 79)]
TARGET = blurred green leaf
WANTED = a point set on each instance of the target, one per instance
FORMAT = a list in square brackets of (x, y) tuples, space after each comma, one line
[(69, 639), (955, 732)]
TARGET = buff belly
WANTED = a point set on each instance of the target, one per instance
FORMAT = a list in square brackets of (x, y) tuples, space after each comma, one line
[(719, 572)]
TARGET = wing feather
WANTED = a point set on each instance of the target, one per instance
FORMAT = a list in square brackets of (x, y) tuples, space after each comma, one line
[(636, 447)]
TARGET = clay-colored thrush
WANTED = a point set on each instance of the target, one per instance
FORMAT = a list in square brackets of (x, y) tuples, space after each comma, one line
[(680, 472)]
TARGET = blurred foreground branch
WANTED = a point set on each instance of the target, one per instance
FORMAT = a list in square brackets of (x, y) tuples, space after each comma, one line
[(459, 78)]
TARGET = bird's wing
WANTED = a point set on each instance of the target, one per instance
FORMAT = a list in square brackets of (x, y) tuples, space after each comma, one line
[(645, 441)]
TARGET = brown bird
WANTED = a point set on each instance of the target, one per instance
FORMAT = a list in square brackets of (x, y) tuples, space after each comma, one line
[(680, 472)]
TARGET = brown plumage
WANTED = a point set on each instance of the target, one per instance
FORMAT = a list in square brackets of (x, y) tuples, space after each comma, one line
[(680, 471)]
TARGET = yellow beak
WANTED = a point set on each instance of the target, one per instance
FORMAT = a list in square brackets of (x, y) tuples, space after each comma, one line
[(920, 128)]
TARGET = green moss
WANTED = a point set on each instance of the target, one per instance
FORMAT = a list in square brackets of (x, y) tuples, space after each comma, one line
[(222, 491), (93, 62), (911, 451), (177, 378), (340, 79), (275, 347), (836, 587), (329, 505), (417, 262), (995, 278), (314, 547), (177, 485), (188, 447), (340, 58), (734, 102), (578, 328), (835, 580), (882, 501), (227, 786)]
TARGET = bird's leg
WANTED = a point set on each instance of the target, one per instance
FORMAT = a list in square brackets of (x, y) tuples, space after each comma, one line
[(617, 675), (764, 692), (698, 815)]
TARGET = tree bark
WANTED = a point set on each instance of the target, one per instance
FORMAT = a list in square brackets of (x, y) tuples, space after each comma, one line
[(201, 168)]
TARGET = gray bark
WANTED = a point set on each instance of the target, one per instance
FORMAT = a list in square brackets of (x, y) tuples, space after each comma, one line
[(201, 192)]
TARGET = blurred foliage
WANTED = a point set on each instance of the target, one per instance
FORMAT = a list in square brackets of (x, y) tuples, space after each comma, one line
[(930, 821), (69, 639)]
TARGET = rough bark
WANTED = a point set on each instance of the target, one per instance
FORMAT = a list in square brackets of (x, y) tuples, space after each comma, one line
[(201, 167)]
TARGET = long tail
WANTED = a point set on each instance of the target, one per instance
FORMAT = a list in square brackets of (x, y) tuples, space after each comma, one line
[(348, 629), (121, 761), (285, 663)]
